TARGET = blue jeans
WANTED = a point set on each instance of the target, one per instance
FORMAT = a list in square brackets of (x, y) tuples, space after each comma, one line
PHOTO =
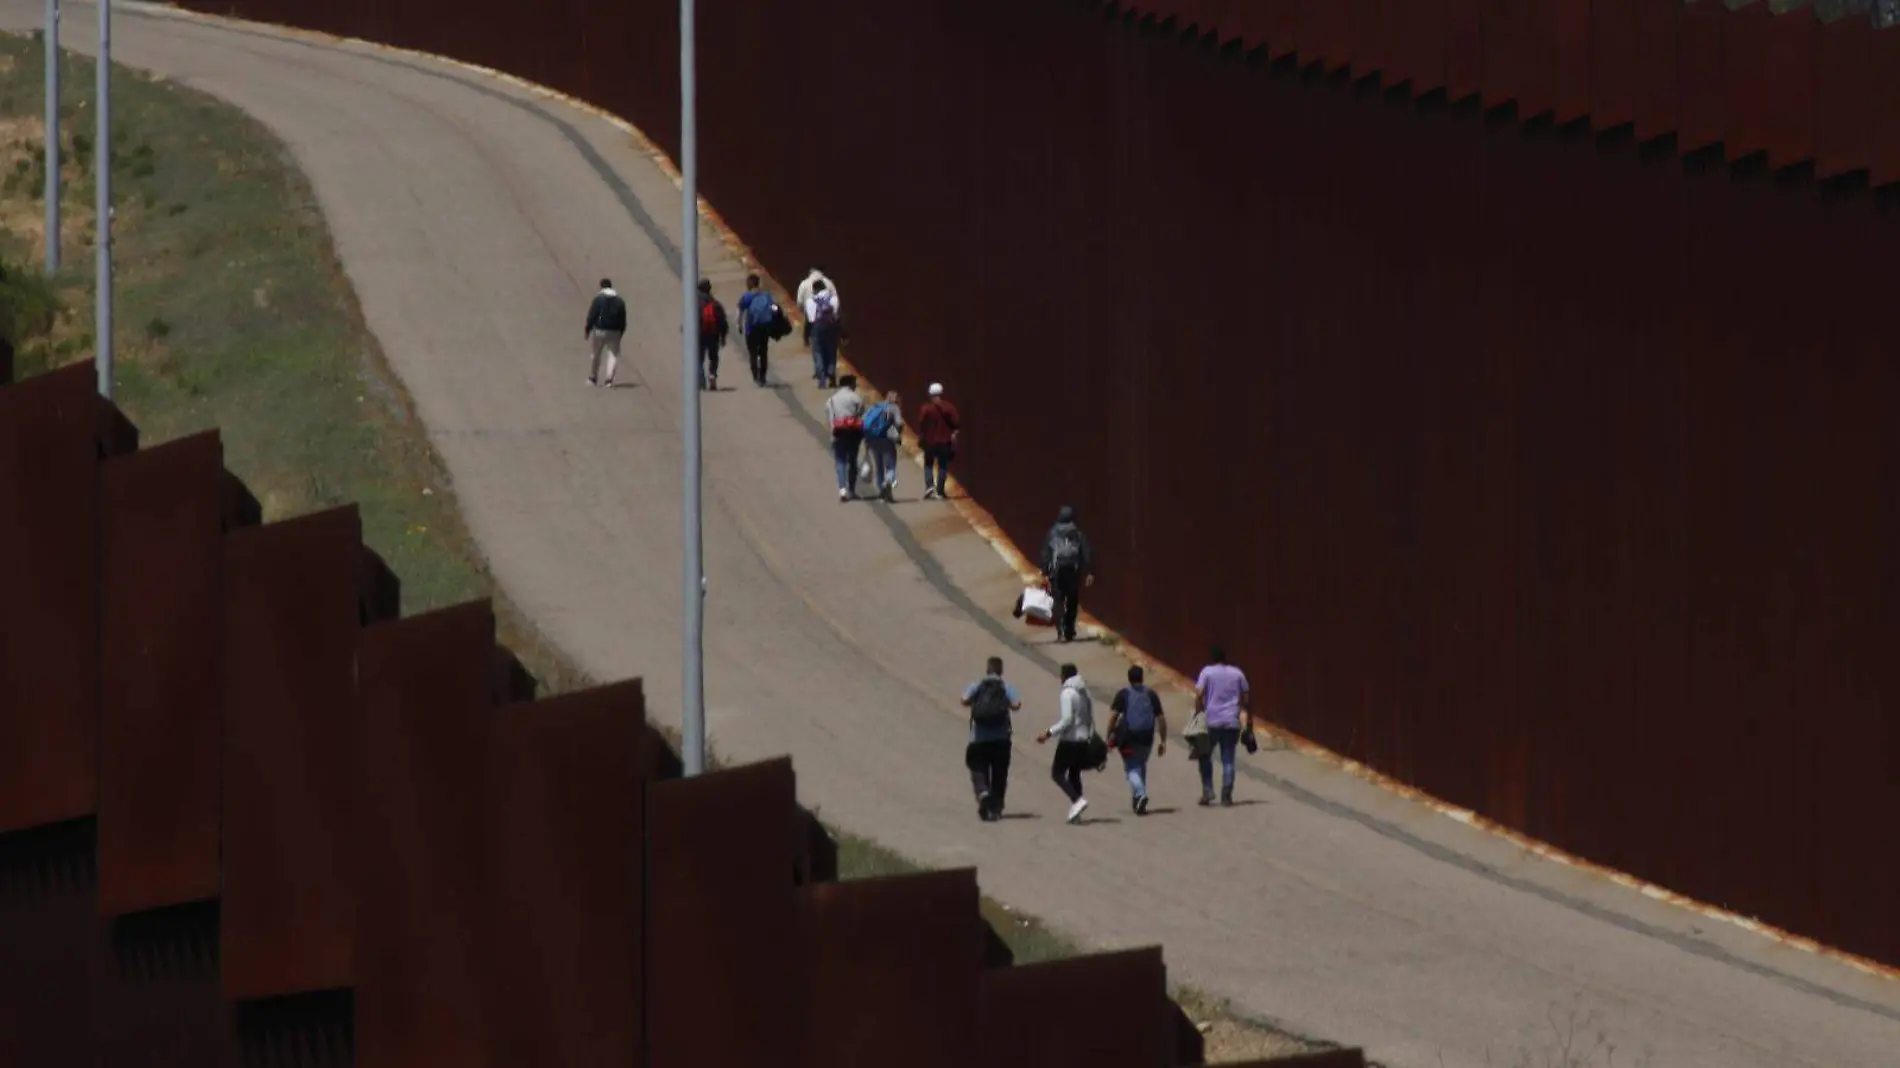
[(824, 353), (883, 460), (1224, 739), (844, 456), (1135, 762)]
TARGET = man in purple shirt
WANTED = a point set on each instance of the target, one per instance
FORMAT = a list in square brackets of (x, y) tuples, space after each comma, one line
[(1222, 694)]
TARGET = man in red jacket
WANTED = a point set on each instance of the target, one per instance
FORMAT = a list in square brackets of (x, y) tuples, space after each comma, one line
[(937, 426)]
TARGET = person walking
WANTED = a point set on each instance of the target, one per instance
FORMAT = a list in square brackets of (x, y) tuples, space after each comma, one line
[(805, 289), (756, 312), (883, 430), (821, 316), (1068, 563), (1136, 728), (713, 329), (990, 701), (606, 325), (1222, 695), (1073, 732), (937, 426), (844, 412)]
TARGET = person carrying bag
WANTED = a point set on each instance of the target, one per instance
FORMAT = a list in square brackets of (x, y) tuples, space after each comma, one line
[(1078, 747)]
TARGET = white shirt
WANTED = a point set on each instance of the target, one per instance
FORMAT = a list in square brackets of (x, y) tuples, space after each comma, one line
[(811, 305), (1077, 722), (805, 288)]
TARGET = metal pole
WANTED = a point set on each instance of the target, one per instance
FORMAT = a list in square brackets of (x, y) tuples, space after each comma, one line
[(102, 210), (693, 593), (52, 136)]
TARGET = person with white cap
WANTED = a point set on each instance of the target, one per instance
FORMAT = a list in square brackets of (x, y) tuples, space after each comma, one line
[(937, 427)]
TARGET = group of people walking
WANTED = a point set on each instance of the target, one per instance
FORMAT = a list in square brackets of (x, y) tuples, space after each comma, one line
[(1137, 727), (1137, 731), (878, 429), (856, 426)]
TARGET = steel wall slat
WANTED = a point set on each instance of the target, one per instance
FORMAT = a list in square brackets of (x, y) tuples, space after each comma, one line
[(161, 718), (291, 769)]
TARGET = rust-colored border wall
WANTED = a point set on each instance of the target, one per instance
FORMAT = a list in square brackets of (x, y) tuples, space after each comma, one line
[(1537, 467)]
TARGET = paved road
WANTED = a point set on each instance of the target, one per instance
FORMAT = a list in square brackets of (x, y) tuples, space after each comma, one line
[(474, 216)]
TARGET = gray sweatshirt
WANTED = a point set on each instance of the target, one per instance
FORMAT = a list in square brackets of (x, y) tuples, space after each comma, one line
[(1078, 713), (844, 404)]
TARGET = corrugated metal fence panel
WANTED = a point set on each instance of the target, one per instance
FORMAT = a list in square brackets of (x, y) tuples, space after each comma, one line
[(1030, 1013), (161, 702), (1570, 26), (1422, 44), (291, 849), (1843, 107), (1882, 86), (564, 818), (1464, 48), (1614, 74), (721, 923), (894, 963), (1326, 34), (54, 431), (424, 720), (1657, 41), (1770, 84), (1701, 78)]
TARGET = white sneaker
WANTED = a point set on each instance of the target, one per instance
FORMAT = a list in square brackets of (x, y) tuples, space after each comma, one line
[(844, 495), (1076, 810)]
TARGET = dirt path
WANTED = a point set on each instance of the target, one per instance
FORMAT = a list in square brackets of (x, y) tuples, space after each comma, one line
[(474, 217)]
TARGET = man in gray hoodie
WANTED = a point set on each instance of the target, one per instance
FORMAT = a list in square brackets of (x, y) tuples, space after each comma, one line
[(1068, 563), (1072, 732)]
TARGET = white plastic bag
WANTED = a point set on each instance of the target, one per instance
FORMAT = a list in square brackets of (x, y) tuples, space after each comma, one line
[(1037, 606)]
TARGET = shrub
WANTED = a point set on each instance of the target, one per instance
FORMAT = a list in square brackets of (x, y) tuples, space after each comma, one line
[(28, 304)]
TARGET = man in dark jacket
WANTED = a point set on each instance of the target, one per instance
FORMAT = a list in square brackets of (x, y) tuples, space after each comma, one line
[(1069, 564), (606, 323), (713, 329)]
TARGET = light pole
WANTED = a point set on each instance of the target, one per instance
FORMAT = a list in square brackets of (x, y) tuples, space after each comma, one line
[(102, 209), (52, 136), (693, 573)]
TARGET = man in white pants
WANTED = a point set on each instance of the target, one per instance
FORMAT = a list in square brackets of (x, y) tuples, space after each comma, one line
[(606, 323)]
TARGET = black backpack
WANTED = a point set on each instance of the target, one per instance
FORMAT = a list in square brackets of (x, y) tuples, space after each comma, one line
[(990, 704)]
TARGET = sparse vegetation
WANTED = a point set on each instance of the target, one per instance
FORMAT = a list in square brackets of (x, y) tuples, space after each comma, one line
[(208, 217)]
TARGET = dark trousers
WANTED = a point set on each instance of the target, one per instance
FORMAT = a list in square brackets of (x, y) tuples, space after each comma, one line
[(937, 467), (989, 770), (824, 353), (1067, 768), (709, 358), (1066, 587), (755, 343)]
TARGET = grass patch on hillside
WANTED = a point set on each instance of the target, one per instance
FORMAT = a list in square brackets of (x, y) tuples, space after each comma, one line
[(231, 311)]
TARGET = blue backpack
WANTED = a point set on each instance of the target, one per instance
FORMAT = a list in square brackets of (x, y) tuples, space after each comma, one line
[(1138, 710), (877, 421), (758, 309)]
